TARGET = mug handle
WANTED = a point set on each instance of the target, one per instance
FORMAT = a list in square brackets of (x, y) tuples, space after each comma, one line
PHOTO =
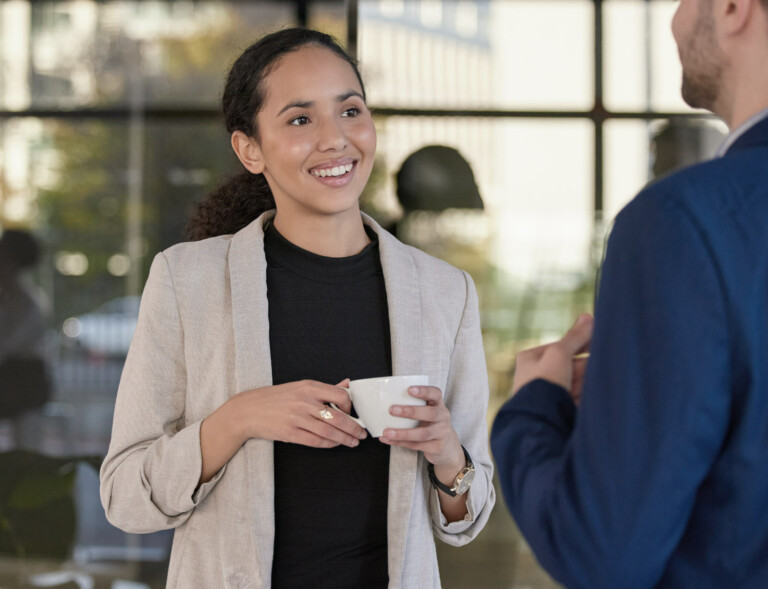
[(357, 420)]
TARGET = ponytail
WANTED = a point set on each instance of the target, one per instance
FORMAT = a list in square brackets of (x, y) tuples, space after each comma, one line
[(230, 207)]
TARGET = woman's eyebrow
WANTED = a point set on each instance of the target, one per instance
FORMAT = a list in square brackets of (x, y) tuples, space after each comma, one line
[(311, 103), (298, 104), (350, 94)]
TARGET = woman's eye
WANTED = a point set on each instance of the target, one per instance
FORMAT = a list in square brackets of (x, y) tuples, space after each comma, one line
[(302, 120), (351, 112)]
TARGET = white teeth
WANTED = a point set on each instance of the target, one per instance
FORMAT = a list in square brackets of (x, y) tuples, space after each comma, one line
[(335, 171)]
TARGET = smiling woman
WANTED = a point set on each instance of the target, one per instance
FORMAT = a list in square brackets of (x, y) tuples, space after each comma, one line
[(231, 423), (245, 196), (313, 125)]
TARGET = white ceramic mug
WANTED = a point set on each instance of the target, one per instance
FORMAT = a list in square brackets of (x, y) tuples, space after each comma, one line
[(372, 398)]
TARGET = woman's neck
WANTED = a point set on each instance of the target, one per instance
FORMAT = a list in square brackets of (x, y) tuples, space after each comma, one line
[(334, 236)]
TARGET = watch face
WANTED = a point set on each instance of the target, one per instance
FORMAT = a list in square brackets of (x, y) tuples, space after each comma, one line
[(465, 481)]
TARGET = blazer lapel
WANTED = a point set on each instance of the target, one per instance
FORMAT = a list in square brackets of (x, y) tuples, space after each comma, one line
[(253, 369), (404, 303), (250, 314)]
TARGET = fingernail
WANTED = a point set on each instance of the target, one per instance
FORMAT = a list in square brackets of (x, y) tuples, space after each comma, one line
[(362, 435), (395, 410), (583, 318), (414, 390), (388, 434)]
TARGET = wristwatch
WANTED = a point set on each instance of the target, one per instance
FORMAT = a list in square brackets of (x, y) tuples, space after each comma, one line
[(462, 481)]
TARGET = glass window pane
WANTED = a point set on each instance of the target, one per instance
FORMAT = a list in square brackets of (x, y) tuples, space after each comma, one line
[(75, 54), (329, 16), (627, 163), (638, 151), (539, 222), (521, 54), (544, 199), (641, 63), (70, 183)]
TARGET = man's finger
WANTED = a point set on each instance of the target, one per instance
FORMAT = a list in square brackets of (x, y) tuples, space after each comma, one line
[(577, 338)]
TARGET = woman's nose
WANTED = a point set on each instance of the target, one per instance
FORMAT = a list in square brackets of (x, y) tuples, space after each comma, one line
[(331, 136)]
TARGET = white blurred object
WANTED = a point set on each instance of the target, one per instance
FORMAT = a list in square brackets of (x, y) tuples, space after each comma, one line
[(128, 585), (107, 330), (57, 578)]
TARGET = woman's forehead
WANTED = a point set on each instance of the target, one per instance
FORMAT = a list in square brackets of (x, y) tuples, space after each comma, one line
[(312, 69)]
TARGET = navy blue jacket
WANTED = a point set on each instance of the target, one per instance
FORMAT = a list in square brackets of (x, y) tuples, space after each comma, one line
[(660, 478)]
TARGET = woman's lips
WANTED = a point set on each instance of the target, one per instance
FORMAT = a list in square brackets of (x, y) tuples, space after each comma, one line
[(336, 175), (332, 169)]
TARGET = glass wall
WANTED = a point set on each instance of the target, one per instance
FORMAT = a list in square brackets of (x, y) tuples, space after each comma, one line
[(557, 110)]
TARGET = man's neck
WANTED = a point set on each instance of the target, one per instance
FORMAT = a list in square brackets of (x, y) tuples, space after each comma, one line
[(753, 100), (744, 85)]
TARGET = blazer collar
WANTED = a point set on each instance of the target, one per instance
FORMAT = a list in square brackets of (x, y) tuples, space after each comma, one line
[(403, 301), (253, 369), (250, 313)]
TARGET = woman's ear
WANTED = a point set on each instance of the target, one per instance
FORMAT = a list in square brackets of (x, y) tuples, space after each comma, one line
[(248, 152)]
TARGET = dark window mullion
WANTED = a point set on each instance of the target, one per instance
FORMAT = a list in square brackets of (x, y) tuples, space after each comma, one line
[(600, 114)]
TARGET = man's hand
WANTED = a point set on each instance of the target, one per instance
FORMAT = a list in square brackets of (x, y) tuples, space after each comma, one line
[(555, 362)]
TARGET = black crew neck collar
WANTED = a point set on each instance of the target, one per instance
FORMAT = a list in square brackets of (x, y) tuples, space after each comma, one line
[(283, 253)]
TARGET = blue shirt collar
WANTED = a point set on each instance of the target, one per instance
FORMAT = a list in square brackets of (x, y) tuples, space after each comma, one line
[(734, 135)]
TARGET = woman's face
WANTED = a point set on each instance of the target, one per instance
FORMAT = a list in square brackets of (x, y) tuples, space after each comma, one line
[(316, 136)]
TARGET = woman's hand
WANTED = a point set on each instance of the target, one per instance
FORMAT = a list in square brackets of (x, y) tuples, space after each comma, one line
[(434, 435), (288, 412), (291, 412), (436, 438)]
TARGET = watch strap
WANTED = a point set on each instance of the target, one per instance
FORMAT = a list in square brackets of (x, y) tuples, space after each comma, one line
[(436, 482)]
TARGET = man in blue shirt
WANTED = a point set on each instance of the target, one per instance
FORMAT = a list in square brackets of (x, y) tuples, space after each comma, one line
[(660, 477)]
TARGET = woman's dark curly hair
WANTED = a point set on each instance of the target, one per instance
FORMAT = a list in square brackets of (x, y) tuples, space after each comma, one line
[(245, 196)]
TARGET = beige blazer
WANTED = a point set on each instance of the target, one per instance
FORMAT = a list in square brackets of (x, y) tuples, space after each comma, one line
[(203, 336)]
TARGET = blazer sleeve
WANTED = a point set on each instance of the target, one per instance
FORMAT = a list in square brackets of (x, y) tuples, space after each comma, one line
[(149, 478), (603, 494), (466, 397)]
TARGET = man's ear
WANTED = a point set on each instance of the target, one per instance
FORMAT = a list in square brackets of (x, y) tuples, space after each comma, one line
[(248, 152), (735, 14)]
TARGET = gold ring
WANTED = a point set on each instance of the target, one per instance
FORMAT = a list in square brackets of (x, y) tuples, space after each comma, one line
[(325, 414)]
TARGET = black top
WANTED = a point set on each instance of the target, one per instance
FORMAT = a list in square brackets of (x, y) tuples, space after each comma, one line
[(328, 321)]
